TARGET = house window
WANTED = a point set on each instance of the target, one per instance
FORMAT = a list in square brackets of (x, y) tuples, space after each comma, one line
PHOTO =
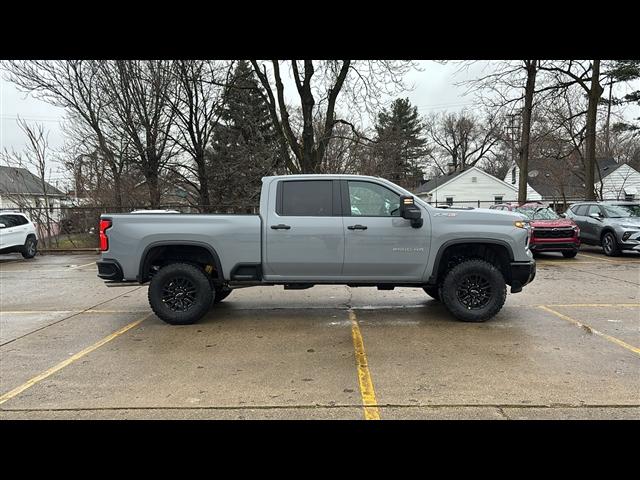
[(513, 176), (628, 197), (498, 199), (474, 179), (449, 200)]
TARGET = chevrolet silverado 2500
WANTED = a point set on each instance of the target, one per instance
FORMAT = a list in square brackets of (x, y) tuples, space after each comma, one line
[(321, 229)]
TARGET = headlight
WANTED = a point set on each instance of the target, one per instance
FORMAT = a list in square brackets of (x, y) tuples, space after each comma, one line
[(520, 224)]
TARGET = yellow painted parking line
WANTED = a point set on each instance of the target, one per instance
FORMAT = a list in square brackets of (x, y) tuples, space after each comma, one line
[(30, 383), (367, 392), (615, 340)]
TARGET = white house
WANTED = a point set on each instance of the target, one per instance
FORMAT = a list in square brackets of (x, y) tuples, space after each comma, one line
[(555, 180), (472, 188), (620, 183)]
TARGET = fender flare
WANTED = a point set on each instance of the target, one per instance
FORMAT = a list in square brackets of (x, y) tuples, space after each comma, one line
[(434, 272), (143, 258)]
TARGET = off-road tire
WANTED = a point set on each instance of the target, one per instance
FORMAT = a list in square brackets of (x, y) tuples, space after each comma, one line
[(569, 253), (190, 278), (433, 292), (610, 245), (30, 248), (466, 273)]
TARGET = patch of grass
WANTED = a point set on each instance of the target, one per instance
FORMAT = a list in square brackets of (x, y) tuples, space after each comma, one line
[(76, 240)]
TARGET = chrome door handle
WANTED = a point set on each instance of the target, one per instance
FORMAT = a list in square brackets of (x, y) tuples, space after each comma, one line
[(357, 227)]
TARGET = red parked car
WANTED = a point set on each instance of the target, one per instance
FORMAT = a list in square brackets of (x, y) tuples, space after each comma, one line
[(549, 231)]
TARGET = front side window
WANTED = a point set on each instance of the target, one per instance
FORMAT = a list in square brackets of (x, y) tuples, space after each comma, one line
[(593, 209), (372, 200), (7, 220), (307, 198)]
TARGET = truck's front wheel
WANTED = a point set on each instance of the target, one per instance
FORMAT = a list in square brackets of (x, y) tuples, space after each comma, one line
[(180, 294), (474, 291)]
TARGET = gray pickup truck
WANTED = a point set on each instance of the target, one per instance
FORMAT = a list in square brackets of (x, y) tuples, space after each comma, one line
[(321, 229)]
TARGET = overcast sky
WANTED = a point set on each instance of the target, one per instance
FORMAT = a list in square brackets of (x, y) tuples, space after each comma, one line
[(434, 90)]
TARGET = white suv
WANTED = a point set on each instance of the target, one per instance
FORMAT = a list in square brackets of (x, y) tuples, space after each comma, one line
[(17, 234)]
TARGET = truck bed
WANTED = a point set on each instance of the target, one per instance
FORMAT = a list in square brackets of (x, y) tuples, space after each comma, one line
[(130, 235)]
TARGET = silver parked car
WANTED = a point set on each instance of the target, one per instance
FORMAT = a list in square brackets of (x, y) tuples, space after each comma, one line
[(613, 225)]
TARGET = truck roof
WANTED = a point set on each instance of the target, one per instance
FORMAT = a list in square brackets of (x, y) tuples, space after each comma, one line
[(321, 175)]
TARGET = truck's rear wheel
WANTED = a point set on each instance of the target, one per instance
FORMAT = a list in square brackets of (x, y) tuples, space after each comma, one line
[(180, 294), (474, 291)]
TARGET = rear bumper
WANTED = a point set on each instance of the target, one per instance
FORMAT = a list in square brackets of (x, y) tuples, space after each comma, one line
[(110, 270), (522, 273)]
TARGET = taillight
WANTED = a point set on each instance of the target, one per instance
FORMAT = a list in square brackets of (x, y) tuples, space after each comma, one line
[(104, 240)]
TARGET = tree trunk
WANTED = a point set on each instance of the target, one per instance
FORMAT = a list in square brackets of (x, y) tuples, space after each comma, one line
[(204, 200), (525, 138), (154, 191), (590, 139)]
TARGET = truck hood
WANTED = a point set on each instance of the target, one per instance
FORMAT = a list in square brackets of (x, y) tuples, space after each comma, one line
[(560, 222), (631, 221), (474, 215)]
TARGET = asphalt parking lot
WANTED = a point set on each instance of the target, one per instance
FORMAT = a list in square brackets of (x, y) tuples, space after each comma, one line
[(567, 347)]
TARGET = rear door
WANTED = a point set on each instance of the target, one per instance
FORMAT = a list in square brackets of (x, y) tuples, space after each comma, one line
[(304, 235), (379, 244), (592, 226), (13, 233)]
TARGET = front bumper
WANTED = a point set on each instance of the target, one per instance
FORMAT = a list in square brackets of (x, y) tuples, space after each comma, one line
[(522, 273), (632, 242), (110, 270), (557, 246)]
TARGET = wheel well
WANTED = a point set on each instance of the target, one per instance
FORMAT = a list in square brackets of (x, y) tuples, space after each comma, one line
[(495, 254), (605, 231), (162, 255)]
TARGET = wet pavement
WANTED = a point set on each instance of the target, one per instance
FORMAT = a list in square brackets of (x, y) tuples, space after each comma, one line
[(568, 346)]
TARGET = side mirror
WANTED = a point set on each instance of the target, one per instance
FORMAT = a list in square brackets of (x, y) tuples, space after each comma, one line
[(563, 215), (597, 216), (2, 225), (409, 211)]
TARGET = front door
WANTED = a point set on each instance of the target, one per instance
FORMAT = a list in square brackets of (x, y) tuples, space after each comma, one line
[(379, 244), (304, 236)]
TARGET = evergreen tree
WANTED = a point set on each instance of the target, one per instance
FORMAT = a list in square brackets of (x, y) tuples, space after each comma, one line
[(400, 146), (244, 145)]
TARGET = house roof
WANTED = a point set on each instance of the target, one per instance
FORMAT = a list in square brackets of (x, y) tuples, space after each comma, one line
[(437, 182), (20, 181), (442, 180), (548, 176)]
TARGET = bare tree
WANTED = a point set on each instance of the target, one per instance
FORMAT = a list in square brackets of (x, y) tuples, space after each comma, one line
[(461, 139), (34, 157), (138, 109), (318, 85), (76, 86), (197, 107)]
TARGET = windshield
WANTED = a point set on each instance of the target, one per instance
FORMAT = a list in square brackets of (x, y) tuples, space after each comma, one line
[(540, 213), (616, 211), (634, 210)]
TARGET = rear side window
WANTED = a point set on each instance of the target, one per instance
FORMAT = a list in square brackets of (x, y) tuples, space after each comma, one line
[(306, 198), (18, 220), (580, 210), (11, 220)]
